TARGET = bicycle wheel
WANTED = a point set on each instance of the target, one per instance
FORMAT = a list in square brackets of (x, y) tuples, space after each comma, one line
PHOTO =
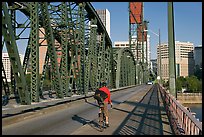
[(5, 100), (101, 120), (104, 120)]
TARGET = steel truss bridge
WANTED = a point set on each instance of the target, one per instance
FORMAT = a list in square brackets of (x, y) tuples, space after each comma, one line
[(79, 53), (78, 56)]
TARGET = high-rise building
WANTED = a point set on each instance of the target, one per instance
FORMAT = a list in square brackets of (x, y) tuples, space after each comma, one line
[(121, 44), (105, 18), (198, 55), (153, 66), (7, 65), (183, 56)]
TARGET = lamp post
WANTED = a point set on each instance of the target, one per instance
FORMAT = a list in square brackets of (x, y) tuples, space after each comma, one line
[(146, 63), (158, 35), (143, 75), (160, 72)]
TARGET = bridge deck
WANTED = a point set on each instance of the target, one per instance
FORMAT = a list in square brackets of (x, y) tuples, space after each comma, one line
[(143, 114)]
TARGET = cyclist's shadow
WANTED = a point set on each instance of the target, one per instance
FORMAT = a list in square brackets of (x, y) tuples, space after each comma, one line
[(93, 123)]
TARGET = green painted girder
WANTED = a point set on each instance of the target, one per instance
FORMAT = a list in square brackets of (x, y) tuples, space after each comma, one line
[(112, 70), (64, 50), (107, 65), (9, 37), (171, 50), (34, 45), (79, 37), (79, 49), (93, 69), (100, 59), (61, 31), (122, 66), (57, 83), (101, 28), (26, 57), (90, 64)]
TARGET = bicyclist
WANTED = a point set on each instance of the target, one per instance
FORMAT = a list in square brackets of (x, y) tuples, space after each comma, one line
[(107, 101)]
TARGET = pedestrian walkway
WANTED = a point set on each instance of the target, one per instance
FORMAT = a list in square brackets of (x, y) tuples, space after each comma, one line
[(14, 109), (143, 114)]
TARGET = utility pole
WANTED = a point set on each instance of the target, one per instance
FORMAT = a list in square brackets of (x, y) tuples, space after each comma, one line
[(147, 78), (147, 71), (160, 72), (159, 55), (171, 44), (130, 36), (143, 66)]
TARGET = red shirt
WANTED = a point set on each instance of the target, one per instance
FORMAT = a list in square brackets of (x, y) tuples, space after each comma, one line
[(107, 91)]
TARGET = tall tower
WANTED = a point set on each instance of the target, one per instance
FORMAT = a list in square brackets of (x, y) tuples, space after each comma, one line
[(137, 27), (105, 18), (135, 21)]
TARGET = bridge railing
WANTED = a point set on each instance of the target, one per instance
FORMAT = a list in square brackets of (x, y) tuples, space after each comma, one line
[(182, 121)]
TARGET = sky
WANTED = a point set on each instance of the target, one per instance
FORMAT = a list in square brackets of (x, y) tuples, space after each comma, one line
[(187, 21)]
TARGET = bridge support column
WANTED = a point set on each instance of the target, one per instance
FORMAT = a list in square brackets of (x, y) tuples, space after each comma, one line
[(171, 43)]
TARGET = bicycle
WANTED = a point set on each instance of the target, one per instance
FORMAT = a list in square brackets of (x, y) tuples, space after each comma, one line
[(102, 118), (5, 100)]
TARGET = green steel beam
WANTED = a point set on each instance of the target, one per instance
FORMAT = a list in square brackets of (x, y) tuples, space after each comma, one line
[(34, 45), (26, 57), (100, 61), (78, 47), (124, 72), (81, 47), (107, 65), (118, 74), (123, 66), (94, 57), (106, 71), (92, 42), (103, 46), (171, 44), (112, 70), (101, 28), (9, 36), (64, 45), (52, 51)]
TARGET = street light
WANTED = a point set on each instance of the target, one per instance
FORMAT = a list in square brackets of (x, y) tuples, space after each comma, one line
[(158, 35)]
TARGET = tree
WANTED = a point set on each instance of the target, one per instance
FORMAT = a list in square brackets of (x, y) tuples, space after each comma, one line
[(198, 72), (192, 83), (199, 84), (179, 83)]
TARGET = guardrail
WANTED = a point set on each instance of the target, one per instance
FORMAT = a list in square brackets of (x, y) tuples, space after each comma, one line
[(182, 121)]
